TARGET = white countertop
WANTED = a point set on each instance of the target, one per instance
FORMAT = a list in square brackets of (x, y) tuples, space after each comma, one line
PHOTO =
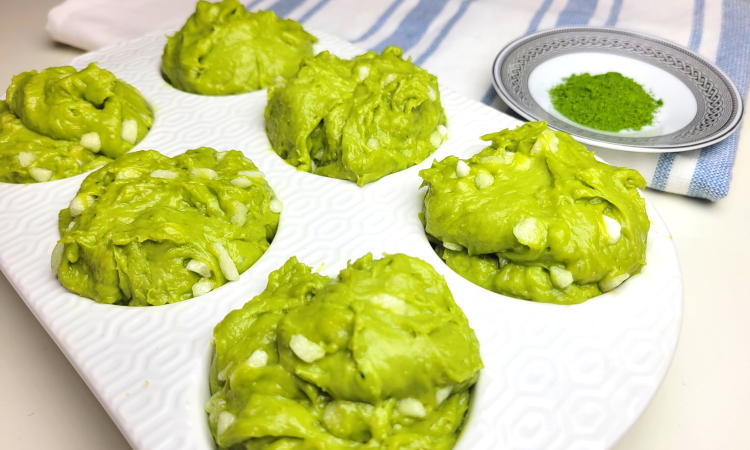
[(704, 402)]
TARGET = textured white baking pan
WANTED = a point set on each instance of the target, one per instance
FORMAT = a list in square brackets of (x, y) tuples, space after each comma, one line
[(555, 376)]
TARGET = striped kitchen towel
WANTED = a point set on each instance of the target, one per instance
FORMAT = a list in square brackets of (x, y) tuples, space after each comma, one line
[(457, 40)]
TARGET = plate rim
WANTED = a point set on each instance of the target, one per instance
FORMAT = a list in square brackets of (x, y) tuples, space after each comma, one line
[(509, 100)]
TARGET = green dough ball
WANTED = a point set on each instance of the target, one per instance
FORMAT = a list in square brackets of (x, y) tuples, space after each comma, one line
[(148, 230), (358, 119), (29, 157), (224, 49), (91, 107), (536, 216), (380, 358)]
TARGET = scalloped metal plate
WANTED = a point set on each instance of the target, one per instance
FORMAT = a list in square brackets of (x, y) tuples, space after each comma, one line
[(719, 103), (555, 377)]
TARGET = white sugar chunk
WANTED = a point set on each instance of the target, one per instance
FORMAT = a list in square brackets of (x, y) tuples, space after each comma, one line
[(241, 182), (462, 169), (508, 157), (225, 262), (305, 349), (199, 267), (552, 140), (523, 162), (215, 402), (452, 246), (436, 139), (431, 93), (91, 141), (240, 214), (608, 285), (57, 256), (220, 156), (442, 130), (78, 205), (595, 200), (561, 278), (251, 173), (463, 187), (613, 228), (390, 302), (484, 180), (364, 72), (530, 231), (40, 174), (165, 174), (226, 419), (411, 407), (214, 205), (442, 394), (202, 287), (537, 147), (547, 139), (205, 173), (389, 78), (258, 359), (127, 174), (129, 131), (372, 143), (223, 375), (330, 416), (71, 225), (25, 159), (275, 206)]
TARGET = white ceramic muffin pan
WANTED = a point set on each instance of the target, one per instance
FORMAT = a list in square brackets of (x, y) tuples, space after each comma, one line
[(555, 376)]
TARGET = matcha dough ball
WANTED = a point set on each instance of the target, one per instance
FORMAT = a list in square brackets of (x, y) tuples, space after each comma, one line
[(536, 216), (92, 107), (379, 358), (358, 119), (148, 230), (29, 157), (224, 49)]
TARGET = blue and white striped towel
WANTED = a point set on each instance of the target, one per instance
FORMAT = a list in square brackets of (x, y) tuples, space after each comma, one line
[(457, 40)]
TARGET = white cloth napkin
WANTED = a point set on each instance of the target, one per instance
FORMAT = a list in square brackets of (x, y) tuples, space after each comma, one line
[(457, 40), (94, 24)]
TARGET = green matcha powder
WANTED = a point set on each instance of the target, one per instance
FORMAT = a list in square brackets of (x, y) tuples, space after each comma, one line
[(607, 102)]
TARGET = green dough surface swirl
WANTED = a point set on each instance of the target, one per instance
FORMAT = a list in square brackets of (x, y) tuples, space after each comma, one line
[(29, 157), (536, 216), (358, 119), (380, 358), (148, 230), (224, 49)]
